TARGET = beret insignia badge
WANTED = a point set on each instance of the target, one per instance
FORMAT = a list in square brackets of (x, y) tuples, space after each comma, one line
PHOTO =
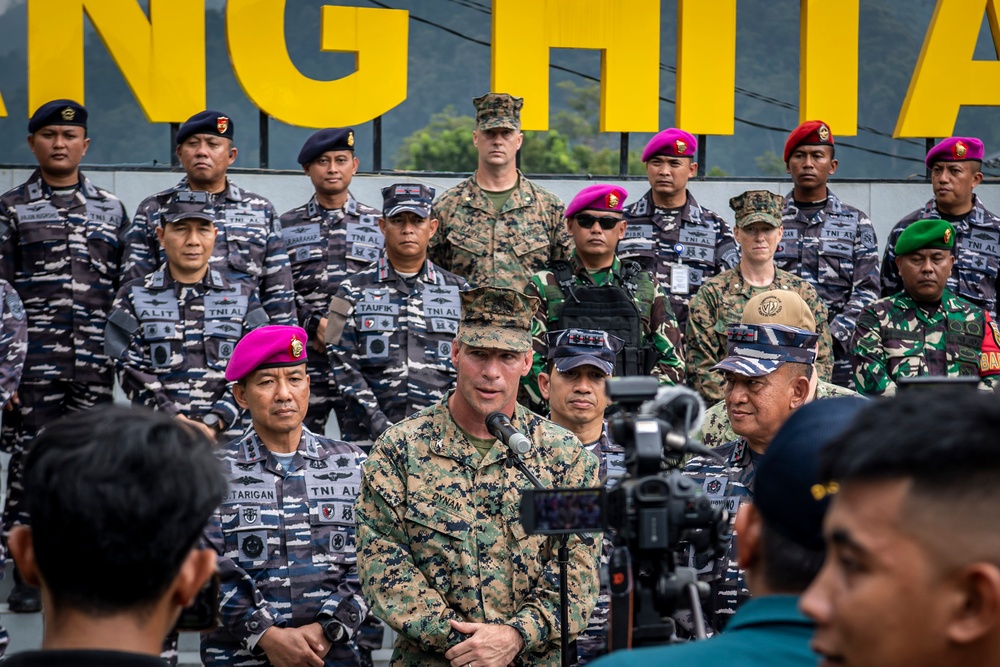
[(69, 113), (947, 236), (222, 123), (350, 139), (823, 132), (612, 200), (680, 147), (960, 150), (295, 348)]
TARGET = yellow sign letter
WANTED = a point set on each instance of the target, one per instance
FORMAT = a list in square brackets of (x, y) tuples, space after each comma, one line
[(706, 66), (378, 37), (822, 21), (626, 32)]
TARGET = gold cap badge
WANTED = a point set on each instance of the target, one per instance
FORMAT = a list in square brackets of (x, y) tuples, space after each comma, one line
[(960, 149), (680, 147), (612, 200), (69, 113), (296, 348), (823, 132), (947, 236), (821, 491), (350, 139)]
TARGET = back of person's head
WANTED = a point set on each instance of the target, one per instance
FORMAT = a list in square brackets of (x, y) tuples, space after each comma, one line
[(118, 497)]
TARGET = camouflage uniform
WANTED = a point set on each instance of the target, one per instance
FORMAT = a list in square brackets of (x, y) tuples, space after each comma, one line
[(657, 319), (249, 248), (171, 342), (394, 356), (717, 431), (13, 340), (286, 545), (498, 248), (836, 251), (719, 303), (977, 255), (440, 537), (898, 337), (696, 238), (324, 247)]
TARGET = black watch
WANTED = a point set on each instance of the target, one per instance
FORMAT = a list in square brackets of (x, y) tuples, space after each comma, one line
[(212, 420), (334, 631)]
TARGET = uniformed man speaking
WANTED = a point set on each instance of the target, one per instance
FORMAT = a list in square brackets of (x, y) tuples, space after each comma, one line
[(442, 555)]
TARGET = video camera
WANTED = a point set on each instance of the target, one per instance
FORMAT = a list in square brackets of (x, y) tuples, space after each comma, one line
[(653, 515)]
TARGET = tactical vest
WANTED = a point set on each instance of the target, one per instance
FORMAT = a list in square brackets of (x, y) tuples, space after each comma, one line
[(616, 310)]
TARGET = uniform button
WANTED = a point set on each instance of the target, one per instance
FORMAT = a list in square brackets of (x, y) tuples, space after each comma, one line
[(353, 617), (254, 625)]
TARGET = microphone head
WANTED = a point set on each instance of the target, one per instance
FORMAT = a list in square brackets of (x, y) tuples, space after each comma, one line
[(494, 421)]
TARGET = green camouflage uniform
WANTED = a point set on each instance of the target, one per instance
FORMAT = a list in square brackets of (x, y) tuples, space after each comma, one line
[(440, 537), (719, 302), (898, 337)]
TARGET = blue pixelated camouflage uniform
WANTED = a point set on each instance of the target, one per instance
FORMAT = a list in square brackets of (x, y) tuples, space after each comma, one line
[(389, 340), (324, 247), (835, 250), (976, 251), (654, 236), (171, 343), (248, 249), (440, 537), (13, 340), (286, 544)]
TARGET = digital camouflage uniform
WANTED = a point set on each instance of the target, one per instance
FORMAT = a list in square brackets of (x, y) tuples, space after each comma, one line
[(898, 337), (286, 544), (171, 342), (324, 247), (248, 249), (394, 355), (717, 431), (658, 319), (498, 248), (976, 251), (836, 251), (13, 340), (720, 302), (440, 537), (697, 239)]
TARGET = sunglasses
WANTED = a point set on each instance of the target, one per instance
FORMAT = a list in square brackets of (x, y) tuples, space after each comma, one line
[(587, 221)]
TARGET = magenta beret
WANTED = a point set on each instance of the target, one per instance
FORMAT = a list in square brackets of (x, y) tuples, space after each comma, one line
[(671, 142), (598, 197), (956, 149), (267, 347)]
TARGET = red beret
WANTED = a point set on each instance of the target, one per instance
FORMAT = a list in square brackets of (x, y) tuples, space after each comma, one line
[(671, 142), (599, 198), (267, 347), (809, 133), (956, 149)]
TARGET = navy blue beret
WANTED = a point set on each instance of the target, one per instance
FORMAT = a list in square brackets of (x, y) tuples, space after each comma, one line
[(207, 122), (330, 139), (58, 112)]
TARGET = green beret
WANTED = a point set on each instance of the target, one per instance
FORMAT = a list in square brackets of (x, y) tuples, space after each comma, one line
[(926, 234)]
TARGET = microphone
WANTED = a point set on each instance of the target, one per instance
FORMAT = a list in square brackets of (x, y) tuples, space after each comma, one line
[(499, 426)]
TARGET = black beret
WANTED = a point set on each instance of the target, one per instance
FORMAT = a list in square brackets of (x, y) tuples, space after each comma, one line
[(330, 139), (207, 122), (58, 112)]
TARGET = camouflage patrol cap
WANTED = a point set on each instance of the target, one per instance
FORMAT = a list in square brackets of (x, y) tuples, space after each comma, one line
[(498, 318), (757, 206), (926, 234), (498, 110), (175, 211), (572, 348), (779, 306), (756, 350)]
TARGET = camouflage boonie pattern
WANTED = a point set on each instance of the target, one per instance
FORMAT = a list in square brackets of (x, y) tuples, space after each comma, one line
[(498, 110), (728, 484), (286, 544), (171, 342), (835, 249), (719, 303), (324, 247), (496, 317), (498, 248), (757, 206), (13, 341), (697, 239), (897, 337), (716, 429), (248, 249), (976, 251), (759, 349), (440, 537), (657, 320), (394, 355)]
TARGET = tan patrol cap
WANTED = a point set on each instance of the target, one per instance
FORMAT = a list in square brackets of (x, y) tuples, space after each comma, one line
[(779, 307)]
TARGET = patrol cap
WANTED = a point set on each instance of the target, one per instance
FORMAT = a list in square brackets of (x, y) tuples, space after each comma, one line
[(788, 491), (924, 234), (330, 139), (757, 206), (671, 142), (779, 306), (207, 122), (267, 347), (498, 110), (497, 317), (176, 211), (956, 149), (599, 197), (756, 350), (413, 197), (809, 133), (572, 348), (58, 112)]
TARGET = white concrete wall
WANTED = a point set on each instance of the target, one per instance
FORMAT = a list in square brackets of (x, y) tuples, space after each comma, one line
[(885, 203)]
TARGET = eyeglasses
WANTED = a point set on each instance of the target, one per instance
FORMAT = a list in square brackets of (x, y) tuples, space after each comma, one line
[(587, 221)]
